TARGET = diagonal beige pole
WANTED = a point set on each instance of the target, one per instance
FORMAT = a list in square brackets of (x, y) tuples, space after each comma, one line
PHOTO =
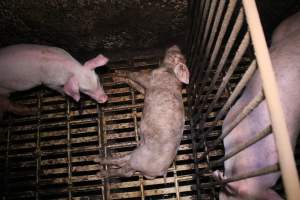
[(286, 156)]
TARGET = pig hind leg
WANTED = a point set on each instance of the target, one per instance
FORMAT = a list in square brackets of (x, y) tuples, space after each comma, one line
[(120, 162), (124, 171)]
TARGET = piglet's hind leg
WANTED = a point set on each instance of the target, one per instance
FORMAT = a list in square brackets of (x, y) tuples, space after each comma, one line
[(120, 162)]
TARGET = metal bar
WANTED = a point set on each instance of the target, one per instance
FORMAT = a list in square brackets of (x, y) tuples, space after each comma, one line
[(100, 139), (199, 42), (259, 172), (208, 164), (192, 59), (195, 25), (193, 10), (208, 25), (195, 155), (238, 56), (197, 33), (215, 26), (244, 113), (104, 147), (69, 151), (284, 148), (265, 132), (238, 89), (7, 156), (232, 38), (38, 148), (176, 181), (227, 17), (218, 43)]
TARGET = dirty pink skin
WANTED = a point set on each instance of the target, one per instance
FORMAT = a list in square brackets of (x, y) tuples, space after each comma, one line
[(285, 56), (25, 66), (162, 121), (286, 28)]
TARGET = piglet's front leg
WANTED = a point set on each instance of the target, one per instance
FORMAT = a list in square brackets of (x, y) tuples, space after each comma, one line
[(131, 83), (138, 80)]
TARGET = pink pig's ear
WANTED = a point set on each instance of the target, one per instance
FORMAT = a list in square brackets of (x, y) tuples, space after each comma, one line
[(182, 73), (71, 88), (98, 61)]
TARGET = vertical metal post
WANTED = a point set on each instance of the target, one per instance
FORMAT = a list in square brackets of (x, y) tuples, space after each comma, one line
[(6, 175), (38, 148), (100, 145), (69, 153), (176, 181), (284, 148)]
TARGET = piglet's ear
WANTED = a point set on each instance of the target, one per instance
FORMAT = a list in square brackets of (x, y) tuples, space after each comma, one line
[(71, 88), (182, 73), (98, 61)]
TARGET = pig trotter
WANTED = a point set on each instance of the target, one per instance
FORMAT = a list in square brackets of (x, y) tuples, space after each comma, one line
[(102, 174), (218, 176), (120, 162), (125, 171)]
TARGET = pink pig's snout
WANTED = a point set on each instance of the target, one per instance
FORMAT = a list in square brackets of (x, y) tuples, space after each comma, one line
[(99, 96), (102, 98)]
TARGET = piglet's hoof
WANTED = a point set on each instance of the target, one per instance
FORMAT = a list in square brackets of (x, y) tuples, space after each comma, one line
[(97, 160), (102, 174)]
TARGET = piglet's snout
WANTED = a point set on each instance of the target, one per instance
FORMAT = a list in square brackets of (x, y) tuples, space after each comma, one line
[(100, 97)]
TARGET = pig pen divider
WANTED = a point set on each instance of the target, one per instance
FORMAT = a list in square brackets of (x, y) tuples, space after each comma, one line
[(221, 64)]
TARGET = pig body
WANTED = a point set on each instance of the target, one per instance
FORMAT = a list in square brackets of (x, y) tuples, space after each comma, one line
[(285, 56), (25, 66), (162, 121)]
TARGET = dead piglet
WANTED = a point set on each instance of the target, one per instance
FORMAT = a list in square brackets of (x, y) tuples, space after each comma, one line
[(25, 66), (162, 121)]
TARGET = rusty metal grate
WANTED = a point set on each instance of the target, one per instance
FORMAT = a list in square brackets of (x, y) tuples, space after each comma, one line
[(50, 155)]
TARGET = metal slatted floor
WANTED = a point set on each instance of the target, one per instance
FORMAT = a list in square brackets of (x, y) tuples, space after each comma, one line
[(50, 155)]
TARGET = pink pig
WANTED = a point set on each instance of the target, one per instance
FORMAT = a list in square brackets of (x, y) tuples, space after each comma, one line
[(285, 57), (25, 66)]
